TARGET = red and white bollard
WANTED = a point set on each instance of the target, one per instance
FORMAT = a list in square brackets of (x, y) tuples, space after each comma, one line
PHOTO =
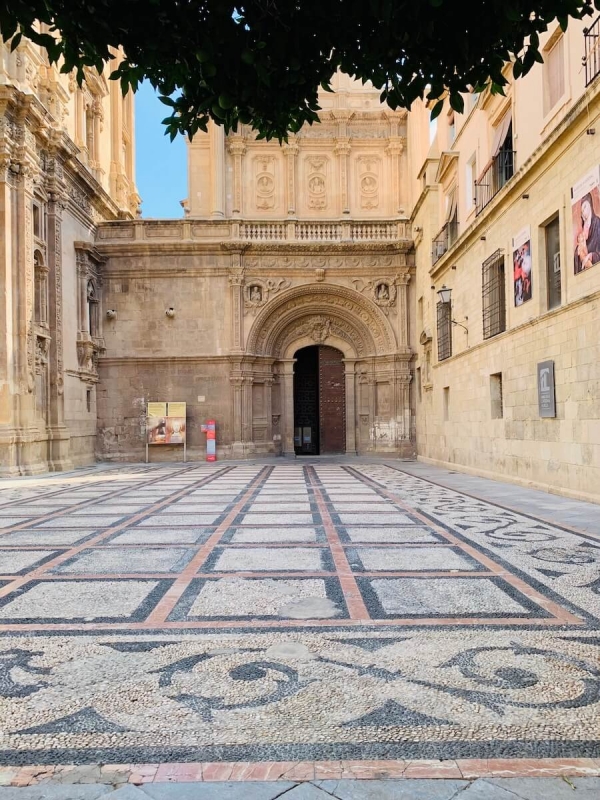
[(211, 439)]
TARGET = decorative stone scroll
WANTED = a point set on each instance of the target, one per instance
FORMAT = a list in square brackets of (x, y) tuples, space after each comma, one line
[(258, 292)]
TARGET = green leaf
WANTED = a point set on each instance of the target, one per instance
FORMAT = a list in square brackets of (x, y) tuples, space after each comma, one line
[(437, 109)]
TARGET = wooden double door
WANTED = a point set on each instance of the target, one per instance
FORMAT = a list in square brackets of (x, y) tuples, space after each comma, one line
[(319, 401)]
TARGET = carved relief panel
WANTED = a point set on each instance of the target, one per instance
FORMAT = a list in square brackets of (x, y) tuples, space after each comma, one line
[(316, 169), (265, 183), (368, 170)]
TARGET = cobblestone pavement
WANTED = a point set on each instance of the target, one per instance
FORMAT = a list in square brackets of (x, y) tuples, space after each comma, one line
[(303, 612)]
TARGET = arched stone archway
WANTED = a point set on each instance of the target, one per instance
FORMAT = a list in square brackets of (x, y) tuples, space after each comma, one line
[(376, 369), (351, 317)]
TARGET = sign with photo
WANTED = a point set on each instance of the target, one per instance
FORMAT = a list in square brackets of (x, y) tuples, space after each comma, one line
[(522, 279), (166, 423), (585, 210)]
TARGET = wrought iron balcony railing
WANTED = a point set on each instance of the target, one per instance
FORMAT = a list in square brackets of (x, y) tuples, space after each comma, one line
[(591, 60), (497, 174), (444, 240)]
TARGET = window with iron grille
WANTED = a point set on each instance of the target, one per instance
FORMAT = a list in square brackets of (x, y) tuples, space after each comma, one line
[(493, 295), (444, 330)]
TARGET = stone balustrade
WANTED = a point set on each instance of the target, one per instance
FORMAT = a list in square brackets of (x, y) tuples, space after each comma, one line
[(255, 231)]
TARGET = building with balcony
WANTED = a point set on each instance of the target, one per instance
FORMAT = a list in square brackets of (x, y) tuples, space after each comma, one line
[(499, 218)]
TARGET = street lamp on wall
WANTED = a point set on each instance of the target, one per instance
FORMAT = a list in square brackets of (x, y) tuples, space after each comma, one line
[(445, 296)]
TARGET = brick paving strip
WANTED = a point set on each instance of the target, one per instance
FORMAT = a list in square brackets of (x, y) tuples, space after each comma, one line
[(299, 771)]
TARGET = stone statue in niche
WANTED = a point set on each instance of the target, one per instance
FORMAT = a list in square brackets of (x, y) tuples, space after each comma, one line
[(255, 293), (382, 290), (258, 292)]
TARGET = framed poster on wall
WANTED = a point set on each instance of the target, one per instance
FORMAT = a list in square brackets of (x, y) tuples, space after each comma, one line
[(166, 424), (585, 211), (522, 279)]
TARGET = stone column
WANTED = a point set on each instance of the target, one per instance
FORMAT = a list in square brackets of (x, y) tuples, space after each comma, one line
[(403, 413), (291, 150), (217, 171), (269, 410), (58, 450), (349, 374), (395, 149), (247, 411), (287, 404), (401, 282), (342, 151), (237, 382), (237, 148), (236, 288)]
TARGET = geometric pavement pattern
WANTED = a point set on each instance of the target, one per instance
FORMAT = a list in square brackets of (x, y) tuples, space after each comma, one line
[(303, 611)]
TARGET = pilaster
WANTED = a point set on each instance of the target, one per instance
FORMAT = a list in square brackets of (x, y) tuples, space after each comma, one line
[(342, 151), (237, 148), (350, 379), (291, 150), (217, 171)]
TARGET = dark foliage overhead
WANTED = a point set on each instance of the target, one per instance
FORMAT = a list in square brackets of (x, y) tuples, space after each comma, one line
[(261, 62)]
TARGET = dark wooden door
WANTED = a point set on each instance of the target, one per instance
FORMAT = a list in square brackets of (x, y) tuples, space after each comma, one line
[(306, 401), (332, 401)]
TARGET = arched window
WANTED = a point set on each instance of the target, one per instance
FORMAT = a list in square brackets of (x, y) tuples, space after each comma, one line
[(41, 289), (92, 304)]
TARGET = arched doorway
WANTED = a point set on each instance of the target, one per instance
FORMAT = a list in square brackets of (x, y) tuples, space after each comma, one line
[(319, 401)]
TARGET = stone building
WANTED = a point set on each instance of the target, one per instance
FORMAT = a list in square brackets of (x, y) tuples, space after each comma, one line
[(302, 301), (288, 282), (66, 164), (496, 214)]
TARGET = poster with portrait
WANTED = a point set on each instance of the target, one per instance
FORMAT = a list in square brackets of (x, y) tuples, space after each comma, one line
[(585, 210), (166, 423), (522, 278)]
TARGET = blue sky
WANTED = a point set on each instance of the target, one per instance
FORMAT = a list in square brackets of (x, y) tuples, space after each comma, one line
[(161, 167)]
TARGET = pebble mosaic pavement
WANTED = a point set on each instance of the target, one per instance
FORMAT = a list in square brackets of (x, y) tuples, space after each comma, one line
[(290, 613)]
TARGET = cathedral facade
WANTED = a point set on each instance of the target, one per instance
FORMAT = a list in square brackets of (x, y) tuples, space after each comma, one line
[(66, 164), (279, 305), (379, 284)]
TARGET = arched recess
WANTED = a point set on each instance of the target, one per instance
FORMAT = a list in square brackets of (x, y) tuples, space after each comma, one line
[(349, 315), (319, 314)]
